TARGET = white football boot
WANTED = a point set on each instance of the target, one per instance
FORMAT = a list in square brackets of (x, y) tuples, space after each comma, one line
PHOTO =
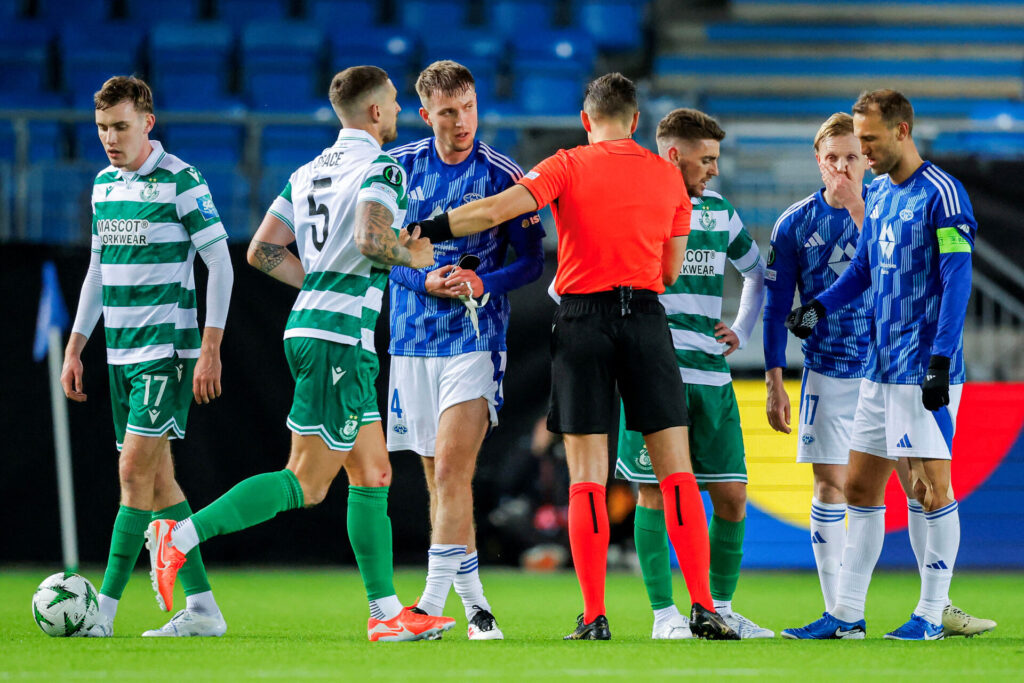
[(745, 627), (956, 622), (674, 628), (103, 628), (188, 623), (483, 626)]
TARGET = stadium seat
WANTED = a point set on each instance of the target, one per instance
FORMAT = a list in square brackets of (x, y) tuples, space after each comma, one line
[(10, 10), (281, 63), (295, 145), (205, 143), (60, 11), (231, 194), (391, 49), (24, 56), (190, 64), (45, 141), (565, 47), (92, 53), (272, 181), (86, 146), (240, 12), (59, 194), (479, 50), (335, 14), (155, 12), (551, 68), (513, 18), (613, 24), (423, 16)]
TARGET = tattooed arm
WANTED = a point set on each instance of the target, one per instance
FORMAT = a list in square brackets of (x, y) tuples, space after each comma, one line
[(378, 241), (269, 253)]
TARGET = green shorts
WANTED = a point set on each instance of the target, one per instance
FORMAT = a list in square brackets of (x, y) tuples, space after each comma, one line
[(716, 440), (151, 398), (335, 392)]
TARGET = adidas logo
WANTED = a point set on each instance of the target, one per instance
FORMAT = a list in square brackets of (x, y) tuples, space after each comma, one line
[(937, 565), (904, 442), (814, 241), (417, 194), (818, 538)]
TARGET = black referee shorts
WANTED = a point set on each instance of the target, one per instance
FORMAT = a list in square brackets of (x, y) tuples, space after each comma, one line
[(613, 338)]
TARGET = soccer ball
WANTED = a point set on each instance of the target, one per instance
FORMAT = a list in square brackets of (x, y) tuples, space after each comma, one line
[(65, 604)]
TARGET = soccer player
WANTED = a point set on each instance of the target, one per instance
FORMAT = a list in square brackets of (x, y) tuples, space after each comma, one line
[(812, 244), (152, 213), (448, 331), (348, 204), (690, 140), (622, 215), (914, 257)]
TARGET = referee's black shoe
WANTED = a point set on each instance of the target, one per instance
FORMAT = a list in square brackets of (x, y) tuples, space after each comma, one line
[(709, 625), (595, 630)]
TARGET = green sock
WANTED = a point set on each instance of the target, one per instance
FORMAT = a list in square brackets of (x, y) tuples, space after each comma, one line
[(250, 502), (125, 546), (369, 532), (651, 539), (726, 553), (193, 573)]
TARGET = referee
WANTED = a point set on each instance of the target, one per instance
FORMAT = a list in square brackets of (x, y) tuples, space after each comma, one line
[(622, 215)]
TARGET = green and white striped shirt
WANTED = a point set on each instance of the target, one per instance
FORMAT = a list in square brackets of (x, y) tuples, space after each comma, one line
[(343, 290), (694, 303), (146, 227)]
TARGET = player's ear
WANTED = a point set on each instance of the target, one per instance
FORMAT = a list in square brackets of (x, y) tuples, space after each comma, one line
[(636, 119), (150, 122), (425, 115), (585, 120), (374, 112), (902, 131)]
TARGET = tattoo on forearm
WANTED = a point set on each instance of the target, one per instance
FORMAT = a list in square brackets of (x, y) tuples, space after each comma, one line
[(268, 256), (376, 239)]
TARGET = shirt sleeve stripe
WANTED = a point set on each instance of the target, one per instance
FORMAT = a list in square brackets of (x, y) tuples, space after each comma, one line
[(788, 212)]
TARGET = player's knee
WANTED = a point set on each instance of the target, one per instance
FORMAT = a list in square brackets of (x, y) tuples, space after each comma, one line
[(372, 476), (449, 477), (132, 474), (857, 493), (650, 497)]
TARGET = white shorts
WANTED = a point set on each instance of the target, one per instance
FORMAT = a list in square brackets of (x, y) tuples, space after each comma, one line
[(891, 422), (827, 407), (420, 389)]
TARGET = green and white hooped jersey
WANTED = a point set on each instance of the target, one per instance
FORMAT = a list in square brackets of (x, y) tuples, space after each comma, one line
[(342, 292), (694, 303), (147, 226)]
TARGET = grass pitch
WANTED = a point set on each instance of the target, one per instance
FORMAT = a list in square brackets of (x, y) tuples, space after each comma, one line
[(297, 625)]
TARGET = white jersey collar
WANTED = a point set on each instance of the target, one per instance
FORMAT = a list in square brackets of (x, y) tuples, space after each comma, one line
[(148, 166), (349, 134)]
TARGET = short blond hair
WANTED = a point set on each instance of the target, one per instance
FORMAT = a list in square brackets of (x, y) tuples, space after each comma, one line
[(836, 125), (124, 88), (444, 77)]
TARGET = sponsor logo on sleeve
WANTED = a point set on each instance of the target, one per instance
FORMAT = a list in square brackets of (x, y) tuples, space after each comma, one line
[(393, 174), (206, 207), (770, 274), (532, 175)]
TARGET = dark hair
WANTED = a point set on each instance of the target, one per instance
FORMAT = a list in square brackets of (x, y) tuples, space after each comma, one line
[(350, 85), (612, 96), (689, 124), (120, 88), (893, 105), (444, 77)]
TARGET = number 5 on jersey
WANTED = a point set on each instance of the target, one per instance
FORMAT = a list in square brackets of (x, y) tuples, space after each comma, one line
[(316, 209)]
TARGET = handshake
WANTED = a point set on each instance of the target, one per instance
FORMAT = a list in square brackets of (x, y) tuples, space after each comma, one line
[(935, 387)]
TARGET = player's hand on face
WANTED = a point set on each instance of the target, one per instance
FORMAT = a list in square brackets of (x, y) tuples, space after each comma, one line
[(778, 409), (725, 335), (839, 184), (71, 379), (206, 378), (465, 282), (435, 282), (420, 247)]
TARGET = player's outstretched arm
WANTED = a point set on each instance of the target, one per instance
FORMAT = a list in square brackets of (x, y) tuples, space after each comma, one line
[(378, 242), (268, 252), (777, 406), (478, 216)]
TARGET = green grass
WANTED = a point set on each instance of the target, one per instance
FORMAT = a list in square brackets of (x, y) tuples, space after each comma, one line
[(310, 625)]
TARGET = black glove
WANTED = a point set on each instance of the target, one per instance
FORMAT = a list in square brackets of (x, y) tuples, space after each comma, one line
[(435, 229), (935, 387), (802, 319)]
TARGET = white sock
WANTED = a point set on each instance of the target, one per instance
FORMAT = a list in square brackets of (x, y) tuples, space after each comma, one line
[(443, 564), (917, 527), (108, 606), (385, 609), (468, 586), (665, 613), (203, 603), (939, 558), (863, 546), (828, 538), (723, 607), (185, 536)]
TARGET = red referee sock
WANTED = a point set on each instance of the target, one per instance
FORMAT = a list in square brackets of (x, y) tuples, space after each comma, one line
[(688, 532), (588, 538)]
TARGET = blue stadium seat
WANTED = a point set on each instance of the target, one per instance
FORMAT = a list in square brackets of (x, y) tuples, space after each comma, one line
[(90, 54), (45, 141), (62, 11), (281, 63), (59, 195), (549, 92), (551, 69), (190, 64), (20, 99), (155, 12), (512, 18), (272, 181), (86, 145), (389, 48), (294, 145), (205, 143), (422, 16), (10, 9), (987, 145), (479, 50), (335, 14), (24, 56), (240, 12), (231, 192), (566, 47), (613, 24)]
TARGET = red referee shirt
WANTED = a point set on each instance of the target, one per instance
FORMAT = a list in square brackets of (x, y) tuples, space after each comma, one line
[(615, 205)]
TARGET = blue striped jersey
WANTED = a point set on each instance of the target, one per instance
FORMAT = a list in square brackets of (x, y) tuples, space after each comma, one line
[(812, 244), (425, 325), (915, 256)]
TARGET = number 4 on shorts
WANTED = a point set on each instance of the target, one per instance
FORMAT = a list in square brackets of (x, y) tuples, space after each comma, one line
[(396, 407)]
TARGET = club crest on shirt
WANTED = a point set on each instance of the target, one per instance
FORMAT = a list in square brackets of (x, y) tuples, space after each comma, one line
[(149, 192), (707, 220), (471, 197), (906, 214)]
